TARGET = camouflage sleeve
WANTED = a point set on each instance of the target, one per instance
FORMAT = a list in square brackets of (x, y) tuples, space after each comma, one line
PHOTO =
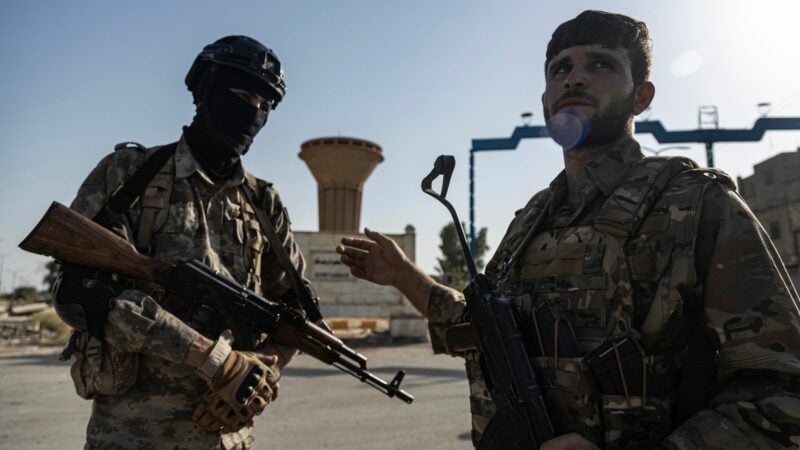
[(445, 307), (109, 174), (136, 323), (753, 308), (133, 321)]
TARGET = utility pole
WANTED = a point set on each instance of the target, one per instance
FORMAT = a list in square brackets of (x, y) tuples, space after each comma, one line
[(2, 265), (13, 279), (483, 145), (708, 119)]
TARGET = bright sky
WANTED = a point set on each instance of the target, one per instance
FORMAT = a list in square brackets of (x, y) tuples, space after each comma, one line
[(420, 78)]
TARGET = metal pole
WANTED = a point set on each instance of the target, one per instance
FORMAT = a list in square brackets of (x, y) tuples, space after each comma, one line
[(2, 261), (472, 202), (710, 154)]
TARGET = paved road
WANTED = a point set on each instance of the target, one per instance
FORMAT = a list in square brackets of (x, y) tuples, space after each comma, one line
[(319, 407)]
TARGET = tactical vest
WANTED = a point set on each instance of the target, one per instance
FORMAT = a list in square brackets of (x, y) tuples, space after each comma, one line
[(168, 225), (600, 308)]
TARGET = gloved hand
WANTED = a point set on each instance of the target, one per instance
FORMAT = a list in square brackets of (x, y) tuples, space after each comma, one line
[(241, 386)]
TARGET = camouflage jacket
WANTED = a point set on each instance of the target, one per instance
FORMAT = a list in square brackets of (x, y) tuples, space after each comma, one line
[(698, 246), (203, 221)]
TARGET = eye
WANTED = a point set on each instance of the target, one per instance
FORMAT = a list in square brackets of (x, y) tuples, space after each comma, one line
[(559, 70), (255, 100), (602, 65)]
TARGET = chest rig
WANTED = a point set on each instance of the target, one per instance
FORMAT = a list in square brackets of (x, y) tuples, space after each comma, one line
[(174, 221), (600, 305)]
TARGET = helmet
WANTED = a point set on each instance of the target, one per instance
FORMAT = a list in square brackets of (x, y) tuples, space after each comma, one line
[(241, 53), (81, 297)]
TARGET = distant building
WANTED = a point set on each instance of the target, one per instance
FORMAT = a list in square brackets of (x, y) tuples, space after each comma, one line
[(773, 193), (341, 166)]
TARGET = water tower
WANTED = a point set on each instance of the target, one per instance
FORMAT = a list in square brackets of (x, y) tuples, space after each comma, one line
[(341, 166)]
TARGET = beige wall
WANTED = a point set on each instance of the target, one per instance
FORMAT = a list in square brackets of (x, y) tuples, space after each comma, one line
[(773, 193), (340, 293)]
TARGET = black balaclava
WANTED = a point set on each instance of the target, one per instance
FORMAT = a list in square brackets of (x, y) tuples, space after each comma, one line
[(224, 125)]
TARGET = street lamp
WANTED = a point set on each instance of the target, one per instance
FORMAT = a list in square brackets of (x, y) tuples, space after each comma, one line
[(663, 149)]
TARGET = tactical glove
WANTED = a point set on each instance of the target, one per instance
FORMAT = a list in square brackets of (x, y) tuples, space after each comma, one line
[(241, 386)]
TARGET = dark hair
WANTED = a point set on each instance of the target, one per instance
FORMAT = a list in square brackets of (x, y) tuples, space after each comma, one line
[(608, 30)]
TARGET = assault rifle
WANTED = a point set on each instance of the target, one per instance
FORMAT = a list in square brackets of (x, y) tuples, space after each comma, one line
[(521, 420), (72, 238)]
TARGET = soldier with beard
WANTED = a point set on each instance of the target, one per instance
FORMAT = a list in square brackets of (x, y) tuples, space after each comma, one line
[(656, 311), (168, 372)]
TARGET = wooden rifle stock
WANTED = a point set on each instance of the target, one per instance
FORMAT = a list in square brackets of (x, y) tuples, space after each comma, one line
[(70, 237)]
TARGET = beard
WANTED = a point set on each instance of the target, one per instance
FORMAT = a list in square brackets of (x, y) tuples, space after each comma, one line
[(572, 127)]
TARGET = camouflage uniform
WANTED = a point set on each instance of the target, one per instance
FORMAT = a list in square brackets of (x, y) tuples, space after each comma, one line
[(202, 221), (619, 259)]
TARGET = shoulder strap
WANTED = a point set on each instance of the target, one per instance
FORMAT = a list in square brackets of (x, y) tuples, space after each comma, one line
[(303, 291), (506, 265), (124, 197), (154, 205), (635, 195)]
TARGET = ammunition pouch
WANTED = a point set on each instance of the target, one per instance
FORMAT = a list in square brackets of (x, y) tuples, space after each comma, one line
[(621, 367), (99, 368), (461, 338)]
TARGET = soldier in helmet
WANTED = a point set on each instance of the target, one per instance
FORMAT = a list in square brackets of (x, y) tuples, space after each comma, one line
[(165, 372), (655, 310)]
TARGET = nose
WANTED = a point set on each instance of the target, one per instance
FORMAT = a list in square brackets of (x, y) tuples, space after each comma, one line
[(576, 78)]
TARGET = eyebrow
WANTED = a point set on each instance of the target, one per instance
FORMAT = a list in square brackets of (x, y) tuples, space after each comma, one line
[(559, 62), (592, 56), (601, 56)]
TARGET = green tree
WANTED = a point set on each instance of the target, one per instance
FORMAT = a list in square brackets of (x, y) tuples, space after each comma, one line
[(25, 293), (452, 269), (52, 269)]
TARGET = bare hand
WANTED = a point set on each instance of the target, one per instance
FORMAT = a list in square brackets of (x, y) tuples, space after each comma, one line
[(377, 259), (571, 441)]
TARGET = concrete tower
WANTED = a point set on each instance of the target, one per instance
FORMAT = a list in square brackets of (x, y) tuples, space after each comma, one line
[(340, 165)]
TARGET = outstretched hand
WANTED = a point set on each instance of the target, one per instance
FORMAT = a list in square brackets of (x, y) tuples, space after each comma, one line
[(377, 259)]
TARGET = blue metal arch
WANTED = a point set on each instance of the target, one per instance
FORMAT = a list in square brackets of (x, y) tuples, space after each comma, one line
[(654, 127), (658, 131)]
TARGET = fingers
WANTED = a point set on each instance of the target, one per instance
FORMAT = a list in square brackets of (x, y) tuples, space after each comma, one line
[(351, 252), (350, 262), (205, 419), (269, 360), (363, 244), (377, 237)]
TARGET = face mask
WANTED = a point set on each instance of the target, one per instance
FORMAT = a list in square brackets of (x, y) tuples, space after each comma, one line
[(225, 124), (231, 120)]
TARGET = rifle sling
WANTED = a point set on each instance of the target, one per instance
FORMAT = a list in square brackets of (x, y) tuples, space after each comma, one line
[(300, 288), (124, 197), (118, 204)]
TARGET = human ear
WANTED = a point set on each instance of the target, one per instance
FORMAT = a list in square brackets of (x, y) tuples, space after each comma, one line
[(643, 96)]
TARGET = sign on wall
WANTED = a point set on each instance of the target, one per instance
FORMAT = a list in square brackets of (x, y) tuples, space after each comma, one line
[(326, 266)]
